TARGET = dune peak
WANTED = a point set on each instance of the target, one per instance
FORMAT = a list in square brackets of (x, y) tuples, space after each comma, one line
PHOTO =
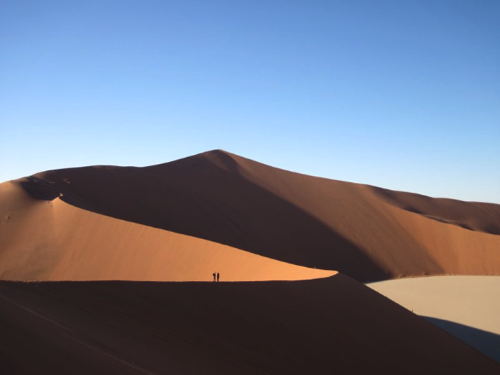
[(364, 232)]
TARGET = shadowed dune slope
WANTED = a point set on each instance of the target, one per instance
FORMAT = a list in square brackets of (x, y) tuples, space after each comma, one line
[(52, 240), (323, 326), (364, 232)]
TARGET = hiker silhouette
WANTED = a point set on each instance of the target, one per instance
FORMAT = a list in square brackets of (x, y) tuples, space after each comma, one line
[(214, 276), (217, 276)]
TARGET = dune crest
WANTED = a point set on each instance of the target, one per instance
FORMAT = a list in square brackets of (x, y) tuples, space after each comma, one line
[(218, 212), (365, 232), (50, 240), (323, 326)]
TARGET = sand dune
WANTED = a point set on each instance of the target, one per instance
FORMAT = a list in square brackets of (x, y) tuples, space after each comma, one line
[(482, 217), (364, 232), (52, 240), (330, 325), (218, 212)]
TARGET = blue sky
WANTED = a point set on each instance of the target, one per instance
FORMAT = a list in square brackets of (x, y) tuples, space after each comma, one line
[(398, 94)]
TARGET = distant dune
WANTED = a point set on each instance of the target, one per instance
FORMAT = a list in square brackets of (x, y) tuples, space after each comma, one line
[(325, 326), (365, 232)]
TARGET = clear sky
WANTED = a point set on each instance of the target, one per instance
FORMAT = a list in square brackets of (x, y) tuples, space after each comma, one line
[(398, 94)]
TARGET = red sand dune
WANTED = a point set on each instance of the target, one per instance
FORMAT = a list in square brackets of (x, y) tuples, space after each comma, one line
[(324, 326), (481, 217), (218, 212), (365, 232), (52, 240)]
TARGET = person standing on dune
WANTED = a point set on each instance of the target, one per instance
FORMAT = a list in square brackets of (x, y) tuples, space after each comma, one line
[(214, 276), (217, 276)]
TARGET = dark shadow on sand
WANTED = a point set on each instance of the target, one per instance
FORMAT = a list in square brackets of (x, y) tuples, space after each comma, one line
[(486, 342), (205, 197)]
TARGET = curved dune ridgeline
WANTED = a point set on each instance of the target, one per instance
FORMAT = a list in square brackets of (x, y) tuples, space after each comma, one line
[(51, 240), (218, 212), (365, 232), (323, 326)]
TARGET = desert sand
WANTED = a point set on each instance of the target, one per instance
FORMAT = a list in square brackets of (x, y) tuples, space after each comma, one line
[(323, 326), (286, 246), (365, 232), (466, 306), (52, 240)]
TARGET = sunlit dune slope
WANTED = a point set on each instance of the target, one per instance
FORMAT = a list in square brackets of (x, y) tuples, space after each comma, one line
[(52, 240), (323, 326), (365, 232)]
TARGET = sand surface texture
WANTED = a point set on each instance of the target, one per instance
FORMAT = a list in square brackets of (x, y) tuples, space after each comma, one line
[(466, 306), (365, 232), (324, 326), (51, 240), (218, 212)]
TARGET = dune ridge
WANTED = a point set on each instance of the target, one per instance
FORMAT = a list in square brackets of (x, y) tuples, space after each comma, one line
[(50, 240), (320, 326), (475, 216), (365, 232), (218, 212)]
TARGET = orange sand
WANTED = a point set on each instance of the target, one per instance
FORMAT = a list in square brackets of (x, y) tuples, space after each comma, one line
[(52, 240), (218, 212), (362, 231)]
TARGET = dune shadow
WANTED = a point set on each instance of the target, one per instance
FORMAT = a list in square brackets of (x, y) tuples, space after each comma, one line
[(39, 188), (197, 197), (486, 342)]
